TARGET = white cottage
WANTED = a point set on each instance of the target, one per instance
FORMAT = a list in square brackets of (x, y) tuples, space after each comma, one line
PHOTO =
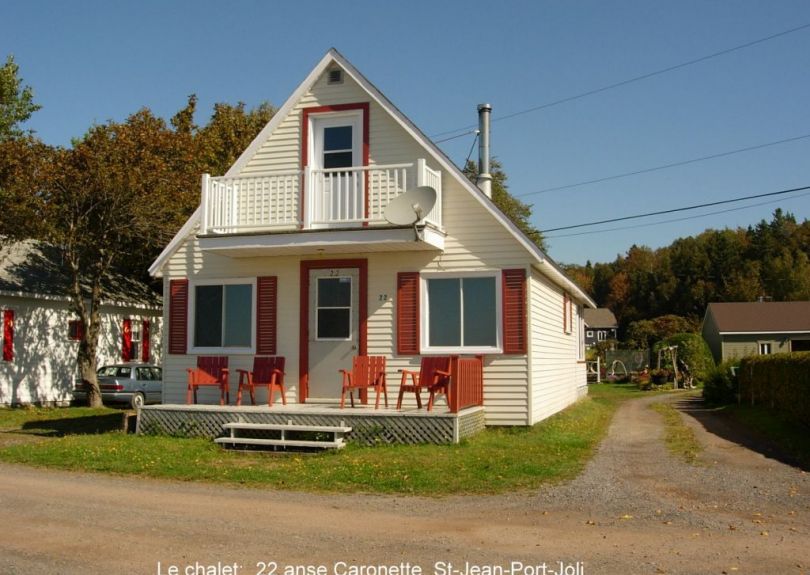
[(40, 333), (290, 254)]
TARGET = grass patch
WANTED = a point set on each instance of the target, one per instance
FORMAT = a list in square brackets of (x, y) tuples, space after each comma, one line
[(679, 437), (495, 461), (789, 436)]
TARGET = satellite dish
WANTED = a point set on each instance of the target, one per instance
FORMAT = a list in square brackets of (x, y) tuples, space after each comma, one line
[(411, 206)]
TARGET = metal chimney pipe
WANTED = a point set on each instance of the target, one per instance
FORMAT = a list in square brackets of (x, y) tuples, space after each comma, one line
[(484, 180)]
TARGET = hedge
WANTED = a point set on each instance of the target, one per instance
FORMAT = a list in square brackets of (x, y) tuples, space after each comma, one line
[(780, 381)]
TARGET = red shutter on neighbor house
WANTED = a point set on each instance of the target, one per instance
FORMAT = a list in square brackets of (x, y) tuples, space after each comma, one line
[(8, 335), (515, 338), (145, 341), (408, 313), (126, 344), (178, 316), (266, 315)]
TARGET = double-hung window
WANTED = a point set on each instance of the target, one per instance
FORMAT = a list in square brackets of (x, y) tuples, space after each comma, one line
[(223, 316), (462, 313)]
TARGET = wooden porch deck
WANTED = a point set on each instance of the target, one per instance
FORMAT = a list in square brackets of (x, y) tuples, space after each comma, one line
[(369, 426)]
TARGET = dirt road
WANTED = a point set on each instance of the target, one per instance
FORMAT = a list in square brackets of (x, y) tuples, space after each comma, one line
[(635, 509)]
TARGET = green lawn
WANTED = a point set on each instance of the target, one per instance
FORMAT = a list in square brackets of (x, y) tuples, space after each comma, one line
[(679, 437), (497, 460)]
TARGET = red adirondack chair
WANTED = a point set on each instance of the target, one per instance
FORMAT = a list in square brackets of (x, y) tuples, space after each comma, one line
[(267, 372), (209, 371), (433, 375), (368, 372)]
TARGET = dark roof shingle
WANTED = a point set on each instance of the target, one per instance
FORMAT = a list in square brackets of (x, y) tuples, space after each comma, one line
[(761, 317)]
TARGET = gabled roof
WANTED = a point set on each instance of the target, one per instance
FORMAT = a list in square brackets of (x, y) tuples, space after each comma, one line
[(333, 57), (761, 317), (600, 317), (30, 268)]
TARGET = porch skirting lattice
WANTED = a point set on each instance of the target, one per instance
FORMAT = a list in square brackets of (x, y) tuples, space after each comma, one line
[(369, 427)]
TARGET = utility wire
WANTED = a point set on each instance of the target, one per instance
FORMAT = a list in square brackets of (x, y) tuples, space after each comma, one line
[(663, 166), (685, 218), (632, 80), (471, 150), (674, 210)]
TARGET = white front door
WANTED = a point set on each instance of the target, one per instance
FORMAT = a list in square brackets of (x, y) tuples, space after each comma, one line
[(334, 328), (339, 198)]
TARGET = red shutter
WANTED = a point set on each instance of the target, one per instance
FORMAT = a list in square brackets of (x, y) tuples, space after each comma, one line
[(266, 315), (178, 316), (145, 341), (408, 313), (515, 337), (126, 344), (8, 335)]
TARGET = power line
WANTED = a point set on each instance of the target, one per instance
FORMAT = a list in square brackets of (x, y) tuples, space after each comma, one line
[(663, 166), (674, 210), (630, 80), (685, 218)]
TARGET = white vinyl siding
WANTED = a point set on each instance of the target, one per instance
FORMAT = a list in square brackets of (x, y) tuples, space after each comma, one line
[(44, 365), (557, 378), (475, 241)]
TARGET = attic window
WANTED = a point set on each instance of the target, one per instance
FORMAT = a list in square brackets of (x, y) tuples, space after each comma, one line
[(335, 76)]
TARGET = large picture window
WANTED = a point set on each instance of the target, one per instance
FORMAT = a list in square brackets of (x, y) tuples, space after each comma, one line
[(462, 313), (223, 316)]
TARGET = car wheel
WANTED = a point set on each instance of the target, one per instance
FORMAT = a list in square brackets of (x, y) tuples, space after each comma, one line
[(137, 400)]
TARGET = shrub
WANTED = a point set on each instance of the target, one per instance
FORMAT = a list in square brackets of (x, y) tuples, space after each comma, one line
[(720, 385), (692, 350), (780, 381)]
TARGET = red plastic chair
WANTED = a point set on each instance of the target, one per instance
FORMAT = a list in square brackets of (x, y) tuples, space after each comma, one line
[(267, 372), (368, 372), (210, 371), (433, 375)]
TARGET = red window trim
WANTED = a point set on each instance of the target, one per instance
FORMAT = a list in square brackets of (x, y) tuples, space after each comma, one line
[(178, 316), (408, 326), (266, 315), (303, 339), (307, 112), (75, 329), (515, 321), (8, 335)]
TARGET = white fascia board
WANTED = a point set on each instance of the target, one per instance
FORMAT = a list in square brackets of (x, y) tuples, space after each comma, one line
[(156, 269), (796, 332)]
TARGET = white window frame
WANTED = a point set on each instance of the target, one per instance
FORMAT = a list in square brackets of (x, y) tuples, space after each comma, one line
[(761, 346), (424, 305), (589, 333), (135, 345), (601, 335), (580, 334), (353, 118), (192, 306)]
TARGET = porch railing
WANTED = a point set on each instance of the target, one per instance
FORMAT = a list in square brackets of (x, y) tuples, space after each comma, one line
[(467, 383), (313, 199)]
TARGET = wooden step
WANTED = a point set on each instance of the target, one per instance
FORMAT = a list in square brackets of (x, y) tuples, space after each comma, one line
[(286, 427), (335, 444)]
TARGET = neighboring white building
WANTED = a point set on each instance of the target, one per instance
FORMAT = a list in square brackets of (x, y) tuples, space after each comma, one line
[(40, 334), (290, 254)]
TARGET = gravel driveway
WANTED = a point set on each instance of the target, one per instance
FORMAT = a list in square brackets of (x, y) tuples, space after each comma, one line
[(635, 509)]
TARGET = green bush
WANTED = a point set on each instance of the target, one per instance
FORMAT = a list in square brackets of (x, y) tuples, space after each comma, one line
[(720, 386), (693, 350), (780, 381)]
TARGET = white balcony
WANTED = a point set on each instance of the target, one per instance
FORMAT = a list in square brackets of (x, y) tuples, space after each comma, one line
[(307, 200)]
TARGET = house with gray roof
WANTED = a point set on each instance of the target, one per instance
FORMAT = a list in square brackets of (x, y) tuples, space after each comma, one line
[(738, 329), (40, 333), (600, 325)]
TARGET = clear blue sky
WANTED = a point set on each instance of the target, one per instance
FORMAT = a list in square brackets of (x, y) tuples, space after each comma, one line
[(436, 60)]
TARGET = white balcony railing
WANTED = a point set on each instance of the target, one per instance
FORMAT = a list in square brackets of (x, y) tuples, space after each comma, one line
[(342, 197)]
